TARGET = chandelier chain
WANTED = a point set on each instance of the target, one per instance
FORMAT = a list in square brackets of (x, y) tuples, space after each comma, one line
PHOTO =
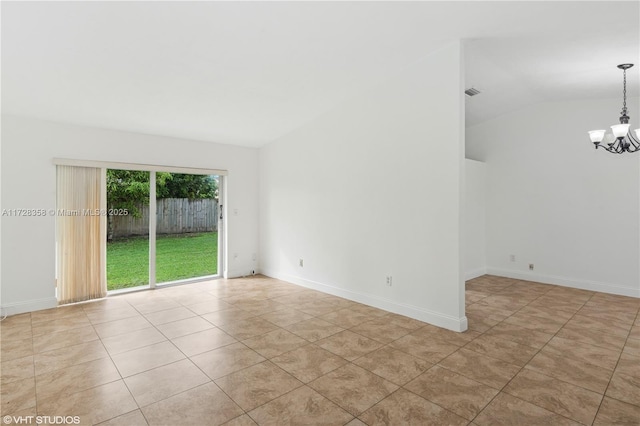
[(624, 91)]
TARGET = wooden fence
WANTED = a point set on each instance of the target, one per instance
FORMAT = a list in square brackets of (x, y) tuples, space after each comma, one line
[(173, 216)]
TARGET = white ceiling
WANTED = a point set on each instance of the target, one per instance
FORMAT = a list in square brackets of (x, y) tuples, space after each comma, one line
[(246, 73)]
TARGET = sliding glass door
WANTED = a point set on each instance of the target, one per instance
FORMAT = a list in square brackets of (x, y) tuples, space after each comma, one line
[(128, 217), (187, 214), (162, 227)]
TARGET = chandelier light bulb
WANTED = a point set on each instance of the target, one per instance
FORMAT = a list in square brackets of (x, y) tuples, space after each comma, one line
[(620, 130), (597, 135)]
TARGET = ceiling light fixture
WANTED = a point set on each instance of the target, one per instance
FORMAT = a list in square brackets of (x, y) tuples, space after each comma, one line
[(623, 140)]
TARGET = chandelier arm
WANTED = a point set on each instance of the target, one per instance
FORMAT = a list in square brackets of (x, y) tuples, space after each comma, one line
[(618, 148), (634, 143), (611, 148)]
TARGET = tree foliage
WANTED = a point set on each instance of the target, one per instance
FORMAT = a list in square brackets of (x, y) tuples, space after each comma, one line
[(127, 189), (178, 185)]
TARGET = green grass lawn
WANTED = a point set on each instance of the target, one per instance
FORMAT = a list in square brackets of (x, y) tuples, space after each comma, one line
[(177, 257)]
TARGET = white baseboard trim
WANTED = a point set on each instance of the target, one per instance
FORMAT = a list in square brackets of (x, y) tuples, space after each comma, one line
[(421, 314), (29, 306), (566, 282), (239, 273), (475, 273)]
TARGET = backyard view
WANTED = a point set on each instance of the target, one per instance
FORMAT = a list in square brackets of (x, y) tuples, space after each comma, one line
[(186, 227), (177, 257)]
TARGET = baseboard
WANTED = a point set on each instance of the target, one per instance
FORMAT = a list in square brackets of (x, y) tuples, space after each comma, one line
[(238, 273), (421, 314), (566, 282), (475, 273), (29, 306)]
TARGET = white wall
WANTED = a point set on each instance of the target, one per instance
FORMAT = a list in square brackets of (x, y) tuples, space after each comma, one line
[(28, 181), (475, 247), (371, 189), (555, 201)]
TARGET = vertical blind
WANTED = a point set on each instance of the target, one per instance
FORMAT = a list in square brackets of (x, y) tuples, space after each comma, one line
[(80, 233)]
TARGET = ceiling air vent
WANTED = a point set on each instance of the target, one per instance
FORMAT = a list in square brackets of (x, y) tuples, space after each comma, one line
[(472, 91)]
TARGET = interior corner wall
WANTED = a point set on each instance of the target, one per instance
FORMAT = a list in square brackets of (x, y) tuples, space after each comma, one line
[(372, 189), (29, 182), (557, 203), (475, 244)]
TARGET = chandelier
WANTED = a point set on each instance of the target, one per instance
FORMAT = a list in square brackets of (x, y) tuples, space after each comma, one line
[(623, 140)]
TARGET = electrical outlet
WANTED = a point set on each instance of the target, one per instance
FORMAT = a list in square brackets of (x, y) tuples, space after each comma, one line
[(531, 266), (301, 263), (235, 255), (512, 257), (389, 280), (254, 256)]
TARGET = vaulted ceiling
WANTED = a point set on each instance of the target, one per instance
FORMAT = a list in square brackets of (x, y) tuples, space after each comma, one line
[(247, 73)]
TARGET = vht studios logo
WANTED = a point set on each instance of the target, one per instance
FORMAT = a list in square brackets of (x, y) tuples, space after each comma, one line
[(41, 420)]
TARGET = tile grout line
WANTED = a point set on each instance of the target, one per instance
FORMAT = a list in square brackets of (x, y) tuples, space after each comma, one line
[(501, 390), (179, 350), (554, 335), (604, 395), (540, 350), (120, 374), (351, 362), (460, 347)]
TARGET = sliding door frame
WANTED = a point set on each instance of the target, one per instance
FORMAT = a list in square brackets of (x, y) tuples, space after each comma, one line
[(152, 229), (222, 226), (152, 169)]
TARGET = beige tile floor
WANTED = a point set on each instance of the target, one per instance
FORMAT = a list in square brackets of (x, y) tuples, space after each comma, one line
[(263, 351)]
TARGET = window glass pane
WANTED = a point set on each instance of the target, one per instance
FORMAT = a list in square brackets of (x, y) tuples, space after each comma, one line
[(127, 229), (186, 226)]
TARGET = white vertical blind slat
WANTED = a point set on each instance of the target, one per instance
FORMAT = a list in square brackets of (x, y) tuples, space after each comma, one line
[(80, 233)]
